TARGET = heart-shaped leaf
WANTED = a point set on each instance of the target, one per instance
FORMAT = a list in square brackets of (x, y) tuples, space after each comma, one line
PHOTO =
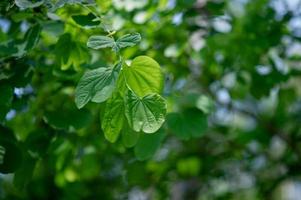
[(144, 76), (145, 114)]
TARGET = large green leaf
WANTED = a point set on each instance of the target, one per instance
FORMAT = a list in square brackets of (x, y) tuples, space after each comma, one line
[(187, 124), (145, 114), (148, 144), (99, 41), (113, 118), (144, 76), (96, 85)]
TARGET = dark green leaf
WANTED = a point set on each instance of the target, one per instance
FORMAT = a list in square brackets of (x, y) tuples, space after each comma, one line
[(85, 20), (148, 144), (187, 124)]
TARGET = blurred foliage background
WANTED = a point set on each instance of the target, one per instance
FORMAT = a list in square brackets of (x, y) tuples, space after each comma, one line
[(232, 81)]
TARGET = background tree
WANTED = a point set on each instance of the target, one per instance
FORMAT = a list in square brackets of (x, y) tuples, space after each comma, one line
[(150, 99)]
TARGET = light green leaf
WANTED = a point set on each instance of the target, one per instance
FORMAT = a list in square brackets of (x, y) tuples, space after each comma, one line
[(24, 4), (96, 85), (113, 118), (147, 145), (99, 42), (144, 76), (145, 114), (187, 124), (128, 40)]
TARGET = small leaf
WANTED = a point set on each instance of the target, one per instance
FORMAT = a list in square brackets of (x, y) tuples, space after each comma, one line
[(145, 114), (99, 42), (128, 40), (144, 76), (96, 85), (187, 124), (24, 4), (85, 20), (112, 121), (147, 145)]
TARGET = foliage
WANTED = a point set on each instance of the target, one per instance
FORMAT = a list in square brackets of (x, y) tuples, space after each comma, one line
[(165, 99)]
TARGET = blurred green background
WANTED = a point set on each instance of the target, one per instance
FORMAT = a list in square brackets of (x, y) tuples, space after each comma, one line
[(232, 82)]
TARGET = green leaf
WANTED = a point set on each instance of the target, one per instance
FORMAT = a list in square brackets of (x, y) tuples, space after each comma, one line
[(2, 153), (113, 118), (85, 20), (144, 76), (96, 85), (56, 4), (24, 4), (148, 144), (129, 137), (128, 40), (68, 119), (99, 42), (187, 124), (69, 52), (23, 175), (6, 97), (12, 158), (32, 37), (145, 114)]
